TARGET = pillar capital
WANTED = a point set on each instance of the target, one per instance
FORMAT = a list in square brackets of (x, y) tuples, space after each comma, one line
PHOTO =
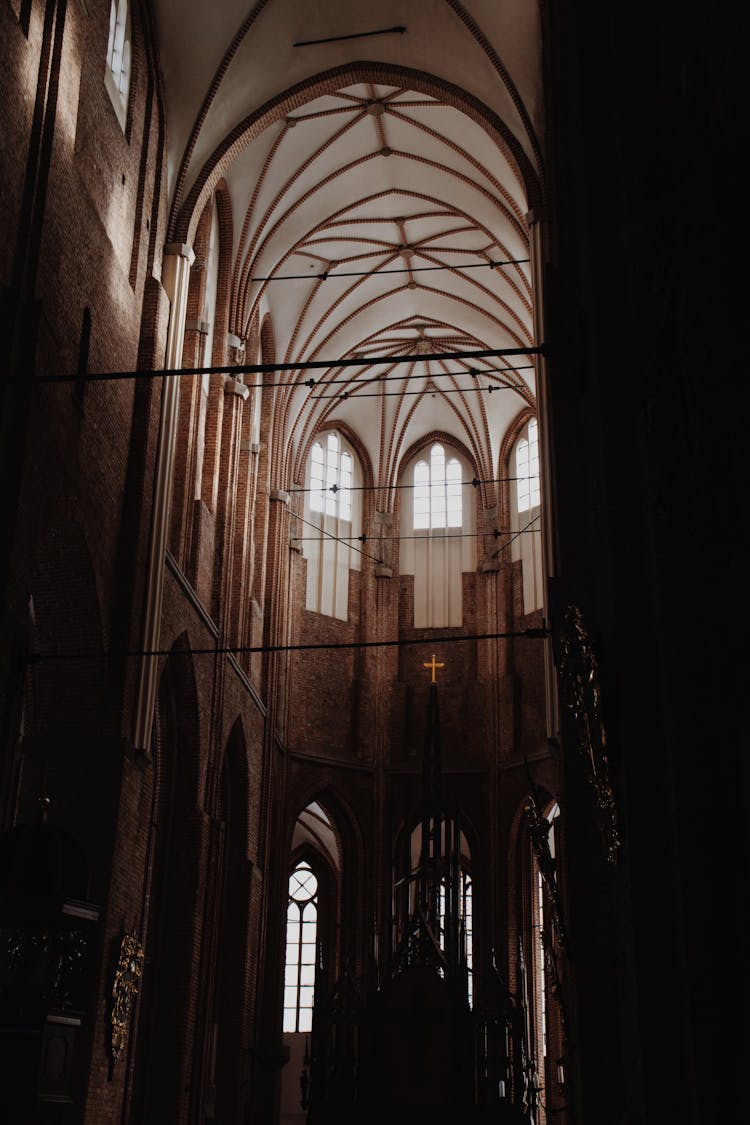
[(180, 250)]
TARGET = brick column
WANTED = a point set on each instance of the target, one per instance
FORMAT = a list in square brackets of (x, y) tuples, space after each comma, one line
[(539, 257), (178, 258)]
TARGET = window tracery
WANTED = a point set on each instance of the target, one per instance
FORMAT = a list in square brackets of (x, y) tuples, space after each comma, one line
[(330, 507), (528, 491), (526, 514), (117, 73), (301, 944), (437, 491), (441, 549)]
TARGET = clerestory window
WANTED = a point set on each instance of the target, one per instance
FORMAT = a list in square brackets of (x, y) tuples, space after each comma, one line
[(526, 515), (437, 491), (527, 469), (441, 549), (331, 508), (331, 479), (117, 73)]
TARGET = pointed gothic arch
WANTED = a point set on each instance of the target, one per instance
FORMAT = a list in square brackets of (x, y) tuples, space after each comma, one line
[(232, 940), (171, 937), (438, 510)]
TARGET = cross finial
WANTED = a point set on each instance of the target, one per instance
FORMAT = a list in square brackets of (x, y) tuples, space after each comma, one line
[(434, 665)]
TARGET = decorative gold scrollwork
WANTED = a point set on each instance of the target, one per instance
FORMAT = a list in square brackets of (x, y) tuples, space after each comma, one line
[(579, 676), (124, 990)]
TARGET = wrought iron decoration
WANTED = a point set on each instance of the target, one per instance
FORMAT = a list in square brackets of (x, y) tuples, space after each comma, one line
[(124, 990), (579, 675), (539, 828)]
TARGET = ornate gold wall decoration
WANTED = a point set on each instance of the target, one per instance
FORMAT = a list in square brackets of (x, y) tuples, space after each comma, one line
[(124, 990), (579, 678)]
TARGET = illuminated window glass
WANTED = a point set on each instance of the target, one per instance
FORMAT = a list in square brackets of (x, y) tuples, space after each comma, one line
[(542, 973), (331, 479), (442, 550), (465, 909), (301, 937), (437, 491), (527, 469), (117, 74), (543, 923), (329, 507)]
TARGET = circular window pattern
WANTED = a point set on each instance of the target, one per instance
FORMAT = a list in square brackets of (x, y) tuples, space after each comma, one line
[(302, 884)]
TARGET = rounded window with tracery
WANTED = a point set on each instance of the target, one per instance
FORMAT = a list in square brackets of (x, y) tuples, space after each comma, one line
[(303, 886), (301, 941)]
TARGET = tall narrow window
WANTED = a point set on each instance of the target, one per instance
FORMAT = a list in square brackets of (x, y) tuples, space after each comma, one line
[(117, 73), (331, 508), (542, 973), (526, 515), (546, 1031), (527, 469), (437, 491), (313, 909), (439, 552), (465, 910), (301, 939), (331, 479)]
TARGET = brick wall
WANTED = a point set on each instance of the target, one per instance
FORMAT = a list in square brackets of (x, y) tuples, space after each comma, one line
[(242, 738)]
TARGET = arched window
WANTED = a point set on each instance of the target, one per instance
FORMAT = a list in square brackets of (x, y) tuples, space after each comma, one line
[(526, 515), (332, 508), (331, 479), (301, 945), (441, 549), (117, 73), (437, 491), (527, 469), (313, 932)]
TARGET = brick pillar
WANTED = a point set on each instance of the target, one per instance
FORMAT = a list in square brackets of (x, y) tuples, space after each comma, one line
[(178, 258)]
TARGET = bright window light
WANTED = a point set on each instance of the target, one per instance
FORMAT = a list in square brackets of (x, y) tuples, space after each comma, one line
[(527, 469), (301, 939), (437, 492)]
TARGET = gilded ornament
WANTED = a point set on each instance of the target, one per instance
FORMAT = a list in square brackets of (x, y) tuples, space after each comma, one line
[(579, 676), (124, 990)]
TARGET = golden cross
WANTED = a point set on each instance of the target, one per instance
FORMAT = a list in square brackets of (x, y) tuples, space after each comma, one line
[(433, 665)]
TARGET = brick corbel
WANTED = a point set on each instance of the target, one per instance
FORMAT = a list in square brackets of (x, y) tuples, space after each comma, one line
[(235, 387)]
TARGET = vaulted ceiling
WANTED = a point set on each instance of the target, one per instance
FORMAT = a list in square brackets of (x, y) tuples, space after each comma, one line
[(380, 183)]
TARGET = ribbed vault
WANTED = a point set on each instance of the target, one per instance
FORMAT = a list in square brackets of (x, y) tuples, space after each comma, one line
[(382, 217)]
